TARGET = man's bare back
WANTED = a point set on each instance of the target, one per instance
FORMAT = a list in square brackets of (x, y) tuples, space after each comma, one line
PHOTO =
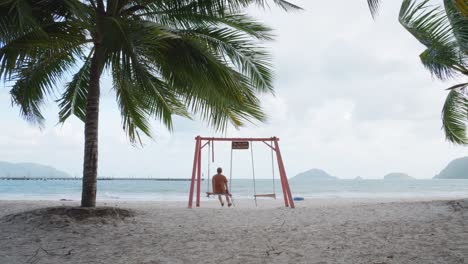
[(220, 186), (219, 183)]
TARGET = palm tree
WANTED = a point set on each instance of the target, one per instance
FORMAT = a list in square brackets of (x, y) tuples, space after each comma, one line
[(444, 32), (165, 58)]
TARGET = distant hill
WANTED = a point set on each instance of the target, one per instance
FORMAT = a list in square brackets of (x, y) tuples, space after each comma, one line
[(398, 176), (314, 174), (31, 170), (456, 169)]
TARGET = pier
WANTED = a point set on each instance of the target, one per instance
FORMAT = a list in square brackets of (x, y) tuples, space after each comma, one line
[(99, 179)]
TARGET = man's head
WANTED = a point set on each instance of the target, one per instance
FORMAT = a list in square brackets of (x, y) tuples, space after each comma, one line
[(219, 170)]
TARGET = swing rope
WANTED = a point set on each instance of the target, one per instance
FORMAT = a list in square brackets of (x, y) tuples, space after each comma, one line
[(209, 165), (230, 174), (253, 173)]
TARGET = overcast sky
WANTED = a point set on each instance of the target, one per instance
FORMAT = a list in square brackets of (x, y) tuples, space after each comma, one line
[(351, 98)]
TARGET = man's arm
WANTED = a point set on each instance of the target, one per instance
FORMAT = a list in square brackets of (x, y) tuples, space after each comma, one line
[(226, 184)]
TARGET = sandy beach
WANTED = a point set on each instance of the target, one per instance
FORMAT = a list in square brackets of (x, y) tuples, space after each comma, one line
[(317, 231)]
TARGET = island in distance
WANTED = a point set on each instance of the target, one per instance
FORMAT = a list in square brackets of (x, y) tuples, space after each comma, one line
[(29, 170), (314, 174), (456, 169), (398, 176), (318, 174)]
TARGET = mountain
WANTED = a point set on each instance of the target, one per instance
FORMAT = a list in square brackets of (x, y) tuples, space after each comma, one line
[(314, 174), (456, 169), (31, 170), (398, 176)]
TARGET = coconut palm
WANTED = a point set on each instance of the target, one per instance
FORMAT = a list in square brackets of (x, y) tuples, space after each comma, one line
[(165, 57), (444, 32)]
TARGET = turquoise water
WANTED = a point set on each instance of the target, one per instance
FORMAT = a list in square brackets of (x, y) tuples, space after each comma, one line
[(241, 189)]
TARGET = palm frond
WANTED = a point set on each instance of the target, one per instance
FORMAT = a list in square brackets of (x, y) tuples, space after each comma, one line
[(443, 61), (455, 115), (427, 24), (185, 18), (250, 59), (214, 6), (212, 90), (134, 114), (193, 69), (21, 17), (16, 19), (140, 94), (247, 25), (285, 5), (373, 6), (37, 78), (457, 86), (57, 38), (457, 15), (74, 99), (431, 27)]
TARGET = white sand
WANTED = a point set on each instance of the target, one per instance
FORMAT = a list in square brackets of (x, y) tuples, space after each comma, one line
[(317, 231)]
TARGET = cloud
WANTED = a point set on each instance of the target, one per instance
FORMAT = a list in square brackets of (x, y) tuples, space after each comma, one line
[(351, 98)]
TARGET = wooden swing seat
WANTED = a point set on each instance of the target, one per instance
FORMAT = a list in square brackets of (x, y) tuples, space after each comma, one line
[(208, 194), (268, 195)]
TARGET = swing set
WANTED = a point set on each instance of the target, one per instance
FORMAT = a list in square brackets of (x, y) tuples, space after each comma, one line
[(238, 144)]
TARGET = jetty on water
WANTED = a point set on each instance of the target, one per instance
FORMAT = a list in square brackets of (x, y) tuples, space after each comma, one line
[(99, 179)]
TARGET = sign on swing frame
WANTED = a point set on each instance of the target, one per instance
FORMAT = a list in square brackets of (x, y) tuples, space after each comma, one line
[(240, 145)]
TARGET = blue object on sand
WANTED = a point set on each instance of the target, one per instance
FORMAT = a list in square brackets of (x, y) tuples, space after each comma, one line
[(298, 198)]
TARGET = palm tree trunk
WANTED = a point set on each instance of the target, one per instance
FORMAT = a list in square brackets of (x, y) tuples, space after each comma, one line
[(90, 161)]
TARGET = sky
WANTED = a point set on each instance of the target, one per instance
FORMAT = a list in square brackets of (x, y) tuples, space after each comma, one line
[(351, 98)]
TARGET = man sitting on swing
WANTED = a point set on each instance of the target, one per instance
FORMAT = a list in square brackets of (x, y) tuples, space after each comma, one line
[(220, 187)]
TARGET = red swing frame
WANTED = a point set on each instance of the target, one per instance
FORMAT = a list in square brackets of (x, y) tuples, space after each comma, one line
[(201, 142)]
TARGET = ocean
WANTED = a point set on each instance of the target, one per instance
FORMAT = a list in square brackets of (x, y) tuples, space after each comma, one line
[(150, 190)]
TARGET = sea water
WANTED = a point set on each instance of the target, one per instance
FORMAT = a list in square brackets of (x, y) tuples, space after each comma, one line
[(150, 190)]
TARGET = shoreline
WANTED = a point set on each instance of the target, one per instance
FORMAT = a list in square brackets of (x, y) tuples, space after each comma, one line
[(245, 201), (17, 206), (171, 198)]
